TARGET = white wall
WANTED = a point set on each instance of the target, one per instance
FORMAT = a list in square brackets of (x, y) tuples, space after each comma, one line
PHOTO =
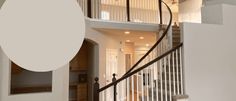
[(104, 41), (209, 55), (190, 11), (210, 2), (60, 85)]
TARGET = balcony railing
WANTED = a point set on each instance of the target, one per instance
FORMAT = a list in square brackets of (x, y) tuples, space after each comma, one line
[(139, 11)]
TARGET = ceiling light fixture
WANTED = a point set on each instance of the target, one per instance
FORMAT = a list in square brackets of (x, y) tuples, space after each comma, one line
[(127, 40), (141, 37), (127, 32), (147, 45)]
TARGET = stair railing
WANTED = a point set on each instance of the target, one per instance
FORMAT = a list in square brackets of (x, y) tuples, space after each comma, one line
[(155, 77), (123, 10), (161, 78), (160, 46)]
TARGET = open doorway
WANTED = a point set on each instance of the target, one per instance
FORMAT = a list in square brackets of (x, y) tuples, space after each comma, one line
[(83, 69)]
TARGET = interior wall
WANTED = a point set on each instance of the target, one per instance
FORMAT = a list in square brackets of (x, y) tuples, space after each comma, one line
[(59, 89), (209, 56), (105, 41), (60, 84), (190, 11), (210, 2)]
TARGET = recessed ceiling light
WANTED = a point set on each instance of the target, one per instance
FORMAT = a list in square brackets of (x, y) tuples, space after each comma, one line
[(147, 45), (127, 32), (141, 37), (127, 40)]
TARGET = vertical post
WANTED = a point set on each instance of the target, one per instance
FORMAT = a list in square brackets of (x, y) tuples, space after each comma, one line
[(96, 88), (89, 8), (160, 10), (128, 10), (113, 80)]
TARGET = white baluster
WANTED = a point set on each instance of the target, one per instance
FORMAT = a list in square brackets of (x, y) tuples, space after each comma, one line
[(132, 79), (152, 81), (147, 83), (86, 7), (181, 71), (137, 84), (113, 14), (161, 88), (128, 90), (157, 81), (96, 9), (142, 17), (173, 59), (165, 78), (177, 71), (92, 8), (170, 89), (136, 12), (120, 10), (99, 8)]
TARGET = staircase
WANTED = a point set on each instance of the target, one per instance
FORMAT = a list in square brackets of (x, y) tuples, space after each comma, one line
[(175, 35), (157, 76)]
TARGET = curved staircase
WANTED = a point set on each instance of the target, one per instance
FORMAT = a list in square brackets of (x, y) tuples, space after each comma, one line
[(157, 76)]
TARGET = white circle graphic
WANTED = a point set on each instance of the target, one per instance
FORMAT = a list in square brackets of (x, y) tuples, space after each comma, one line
[(41, 35)]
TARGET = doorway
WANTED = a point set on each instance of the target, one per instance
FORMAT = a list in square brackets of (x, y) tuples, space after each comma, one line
[(111, 68), (83, 69)]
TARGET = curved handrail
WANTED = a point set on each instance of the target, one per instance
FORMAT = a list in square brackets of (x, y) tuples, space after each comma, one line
[(141, 68), (130, 72), (156, 44)]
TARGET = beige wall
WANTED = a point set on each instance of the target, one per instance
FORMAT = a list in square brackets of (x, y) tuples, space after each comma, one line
[(210, 2), (105, 41), (190, 11), (209, 55), (60, 84)]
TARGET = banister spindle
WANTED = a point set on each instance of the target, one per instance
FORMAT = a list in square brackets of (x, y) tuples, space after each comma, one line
[(161, 82), (181, 70), (169, 72), (96, 90), (128, 89), (115, 93), (177, 71), (132, 87), (174, 76), (165, 76), (157, 81)]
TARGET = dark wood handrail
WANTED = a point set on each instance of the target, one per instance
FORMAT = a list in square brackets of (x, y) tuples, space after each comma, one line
[(156, 44), (160, 10), (128, 10), (141, 68)]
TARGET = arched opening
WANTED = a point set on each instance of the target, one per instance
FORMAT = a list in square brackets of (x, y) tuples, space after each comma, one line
[(83, 69)]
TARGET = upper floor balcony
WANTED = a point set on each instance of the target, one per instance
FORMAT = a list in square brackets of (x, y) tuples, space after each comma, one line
[(135, 11)]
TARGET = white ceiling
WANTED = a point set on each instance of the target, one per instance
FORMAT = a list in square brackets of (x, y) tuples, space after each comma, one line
[(149, 37)]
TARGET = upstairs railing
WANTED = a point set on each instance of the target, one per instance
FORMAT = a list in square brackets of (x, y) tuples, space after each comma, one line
[(139, 11), (157, 76)]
